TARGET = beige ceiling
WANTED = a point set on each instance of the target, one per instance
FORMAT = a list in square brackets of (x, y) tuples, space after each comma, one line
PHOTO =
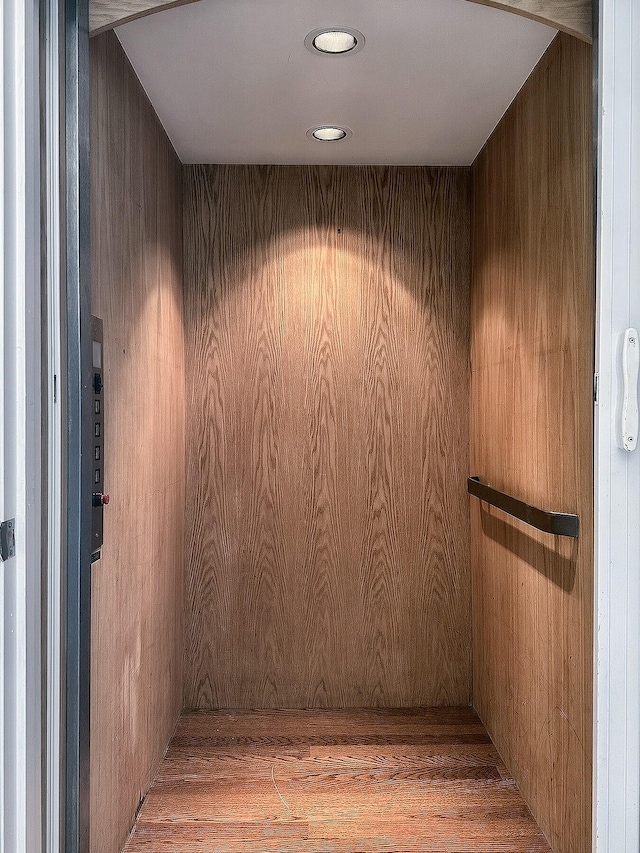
[(232, 81)]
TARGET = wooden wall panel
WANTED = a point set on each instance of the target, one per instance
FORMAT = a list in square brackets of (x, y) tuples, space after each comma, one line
[(326, 315), (531, 435), (136, 234)]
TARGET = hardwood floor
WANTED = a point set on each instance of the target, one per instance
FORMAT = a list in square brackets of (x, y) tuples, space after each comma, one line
[(424, 780)]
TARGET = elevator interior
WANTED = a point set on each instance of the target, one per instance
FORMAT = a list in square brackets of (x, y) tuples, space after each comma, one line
[(303, 363)]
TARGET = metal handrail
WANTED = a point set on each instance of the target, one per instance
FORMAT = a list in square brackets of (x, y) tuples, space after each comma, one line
[(557, 523)]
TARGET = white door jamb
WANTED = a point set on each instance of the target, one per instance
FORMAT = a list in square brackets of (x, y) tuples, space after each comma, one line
[(617, 471)]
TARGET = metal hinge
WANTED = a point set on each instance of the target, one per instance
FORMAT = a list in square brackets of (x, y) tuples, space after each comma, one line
[(7, 539), (596, 377)]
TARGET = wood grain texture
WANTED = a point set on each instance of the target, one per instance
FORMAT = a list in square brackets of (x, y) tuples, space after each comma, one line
[(531, 436), (571, 16), (326, 315), (420, 780), (137, 585)]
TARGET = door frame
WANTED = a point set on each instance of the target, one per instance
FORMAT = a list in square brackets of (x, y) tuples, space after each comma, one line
[(21, 480), (617, 474)]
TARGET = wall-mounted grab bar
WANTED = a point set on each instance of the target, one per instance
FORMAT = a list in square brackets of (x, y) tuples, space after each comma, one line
[(558, 523)]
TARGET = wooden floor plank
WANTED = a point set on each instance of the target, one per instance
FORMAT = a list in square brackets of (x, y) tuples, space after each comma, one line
[(184, 762), (330, 772), (334, 782), (365, 721)]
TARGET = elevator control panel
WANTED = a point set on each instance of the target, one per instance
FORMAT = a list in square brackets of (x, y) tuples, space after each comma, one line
[(99, 499)]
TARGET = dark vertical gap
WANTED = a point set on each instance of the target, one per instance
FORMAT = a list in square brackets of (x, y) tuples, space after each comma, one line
[(77, 509)]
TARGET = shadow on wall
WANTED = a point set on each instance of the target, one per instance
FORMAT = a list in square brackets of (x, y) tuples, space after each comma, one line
[(557, 560)]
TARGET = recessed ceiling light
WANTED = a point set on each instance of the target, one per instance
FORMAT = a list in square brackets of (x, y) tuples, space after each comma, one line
[(329, 133), (334, 41)]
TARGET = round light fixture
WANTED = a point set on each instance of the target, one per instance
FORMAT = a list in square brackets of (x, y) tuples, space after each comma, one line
[(334, 41), (329, 133)]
